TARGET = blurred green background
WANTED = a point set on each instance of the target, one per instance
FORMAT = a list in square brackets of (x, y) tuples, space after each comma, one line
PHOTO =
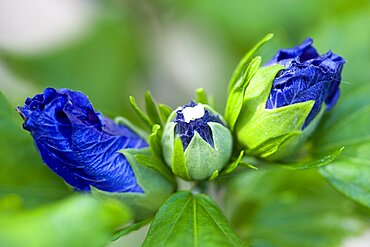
[(113, 49)]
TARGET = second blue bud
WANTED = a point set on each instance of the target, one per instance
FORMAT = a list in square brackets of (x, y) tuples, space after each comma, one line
[(196, 142)]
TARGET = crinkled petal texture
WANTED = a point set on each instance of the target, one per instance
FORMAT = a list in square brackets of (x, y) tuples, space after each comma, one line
[(79, 144), (303, 52), (186, 130), (308, 76)]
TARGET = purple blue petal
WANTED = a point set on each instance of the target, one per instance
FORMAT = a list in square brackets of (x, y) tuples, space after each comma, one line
[(79, 144), (186, 130), (308, 76)]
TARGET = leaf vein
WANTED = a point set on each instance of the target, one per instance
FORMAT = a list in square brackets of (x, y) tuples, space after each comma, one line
[(175, 222), (216, 223)]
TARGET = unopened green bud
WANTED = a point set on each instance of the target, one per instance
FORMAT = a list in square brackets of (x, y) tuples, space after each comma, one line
[(196, 143)]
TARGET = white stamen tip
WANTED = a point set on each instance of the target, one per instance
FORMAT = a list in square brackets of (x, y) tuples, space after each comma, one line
[(192, 113)]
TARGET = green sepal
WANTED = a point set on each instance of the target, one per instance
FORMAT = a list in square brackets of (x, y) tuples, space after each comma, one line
[(277, 133), (179, 161), (270, 128), (247, 164), (233, 165), (155, 113), (155, 163), (244, 61), (152, 109), (154, 140), (272, 145), (168, 140), (211, 101), (165, 112), (126, 122), (291, 146), (202, 160), (262, 131), (235, 99), (270, 123), (223, 142), (257, 93), (201, 96), (140, 113), (149, 175), (214, 176)]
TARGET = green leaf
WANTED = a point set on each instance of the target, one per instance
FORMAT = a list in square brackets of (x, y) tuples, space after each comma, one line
[(300, 165), (244, 61), (165, 112), (350, 130), (348, 125), (304, 163), (202, 96), (147, 121), (350, 173), (76, 221), (280, 207), (132, 227), (236, 96), (191, 220), (316, 162), (152, 109), (178, 160)]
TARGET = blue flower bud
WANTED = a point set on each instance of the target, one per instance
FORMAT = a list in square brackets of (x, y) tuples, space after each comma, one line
[(80, 144), (186, 126), (284, 100), (308, 76), (196, 142)]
